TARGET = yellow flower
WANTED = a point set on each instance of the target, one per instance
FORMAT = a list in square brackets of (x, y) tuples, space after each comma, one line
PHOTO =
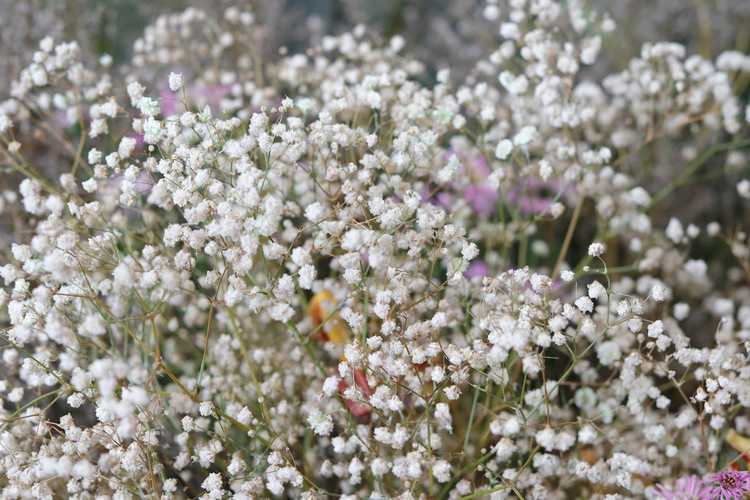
[(738, 441)]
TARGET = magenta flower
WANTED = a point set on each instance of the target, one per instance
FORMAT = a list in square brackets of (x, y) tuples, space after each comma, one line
[(730, 485), (686, 488)]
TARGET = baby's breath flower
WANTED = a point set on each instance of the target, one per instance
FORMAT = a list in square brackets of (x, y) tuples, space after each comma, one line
[(175, 81), (332, 275)]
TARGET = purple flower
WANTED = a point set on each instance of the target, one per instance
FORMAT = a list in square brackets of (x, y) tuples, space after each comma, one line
[(477, 269), (730, 485), (686, 488)]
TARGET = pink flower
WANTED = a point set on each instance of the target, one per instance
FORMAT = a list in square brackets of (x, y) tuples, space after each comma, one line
[(730, 485), (210, 95), (686, 488)]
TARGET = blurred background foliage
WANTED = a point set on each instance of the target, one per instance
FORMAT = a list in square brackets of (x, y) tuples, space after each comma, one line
[(440, 32)]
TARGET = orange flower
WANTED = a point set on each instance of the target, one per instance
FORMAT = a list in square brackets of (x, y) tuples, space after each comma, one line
[(589, 455), (321, 310)]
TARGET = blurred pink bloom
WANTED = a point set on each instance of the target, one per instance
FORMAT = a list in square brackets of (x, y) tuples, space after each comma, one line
[(442, 199), (138, 140), (170, 102), (478, 166), (479, 194), (535, 197), (210, 95), (482, 198), (202, 95)]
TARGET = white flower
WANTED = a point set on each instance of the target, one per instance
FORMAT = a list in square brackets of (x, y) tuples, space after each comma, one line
[(503, 149), (469, 250), (546, 438), (89, 185), (206, 408), (743, 187), (448, 172), (244, 416), (330, 386), (608, 352), (47, 44), (5, 123), (442, 471), (596, 249), (659, 292), (584, 304), (655, 329), (175, 81), (320, 423), (525, 136), (315, 212), (152, 131), (126, 147), (135, 91), (307, 276), (443, 416), (596, 290), (674, 231)]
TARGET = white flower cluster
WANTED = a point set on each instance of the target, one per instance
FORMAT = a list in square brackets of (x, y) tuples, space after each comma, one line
[(323, 276)]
